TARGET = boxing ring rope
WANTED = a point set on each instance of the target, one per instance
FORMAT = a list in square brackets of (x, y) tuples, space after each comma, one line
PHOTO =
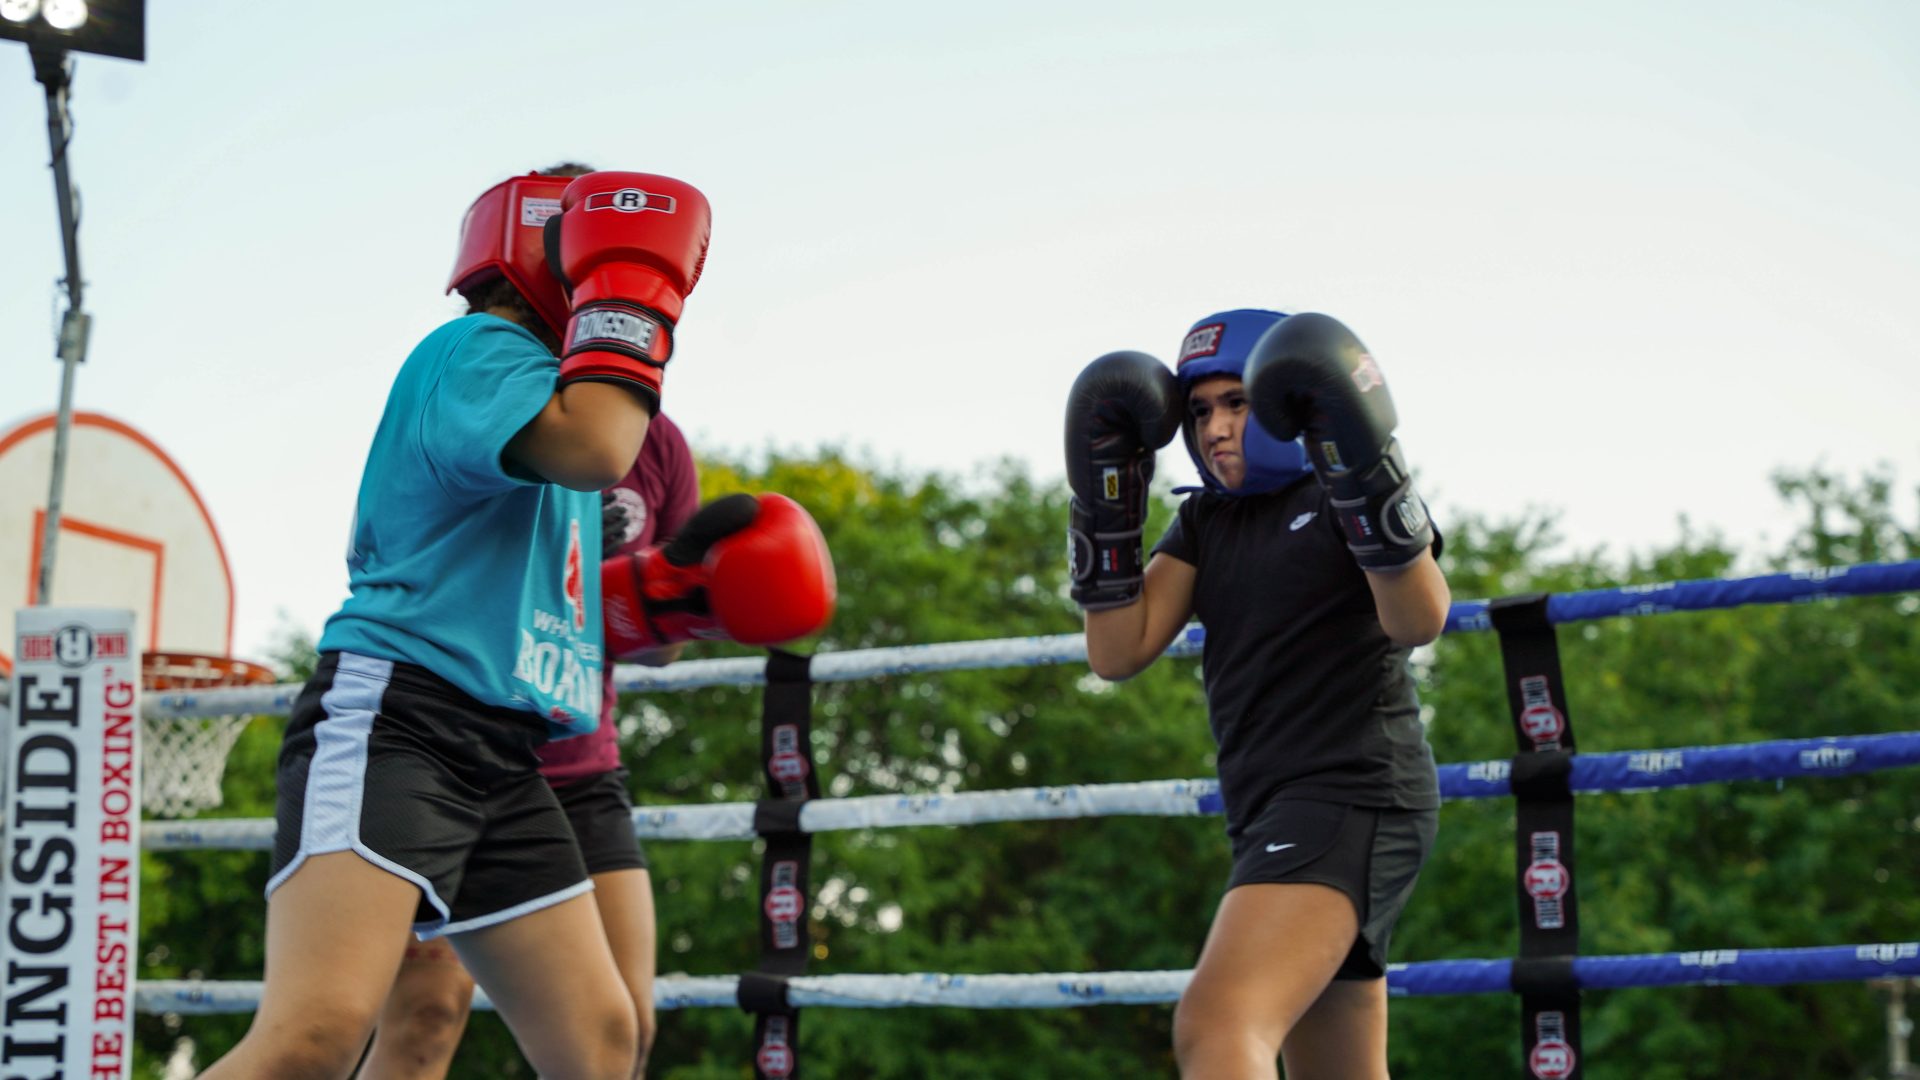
[(1730, 967), (1622, 771), (1466, 616), (1618, 771)]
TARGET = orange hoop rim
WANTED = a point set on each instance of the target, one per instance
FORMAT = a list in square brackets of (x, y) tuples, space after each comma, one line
[(195, 671)]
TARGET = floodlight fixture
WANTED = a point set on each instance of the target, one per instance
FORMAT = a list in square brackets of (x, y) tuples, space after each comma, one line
[(66, 16), (103, 27)]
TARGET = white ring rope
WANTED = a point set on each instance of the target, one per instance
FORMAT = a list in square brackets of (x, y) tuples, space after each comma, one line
[(734, 821), (850, 666), (1038, 991), (1713, 967)]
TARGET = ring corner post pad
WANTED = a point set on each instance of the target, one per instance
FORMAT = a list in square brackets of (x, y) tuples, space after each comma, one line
[(1543, 842), (786, 746), (1550, 1017)]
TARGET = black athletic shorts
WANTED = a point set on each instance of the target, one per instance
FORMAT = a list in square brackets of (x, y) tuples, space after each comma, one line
[(392, 762), (1374, 856), (601, 814)]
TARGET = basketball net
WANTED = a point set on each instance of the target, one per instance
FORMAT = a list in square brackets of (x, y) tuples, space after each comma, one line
[(183, 759)]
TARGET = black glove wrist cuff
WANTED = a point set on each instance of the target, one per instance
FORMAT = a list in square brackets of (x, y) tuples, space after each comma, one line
[(1384, 519), (1107, 568)]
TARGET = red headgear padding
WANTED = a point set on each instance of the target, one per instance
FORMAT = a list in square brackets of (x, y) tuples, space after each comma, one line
[(504, 234)]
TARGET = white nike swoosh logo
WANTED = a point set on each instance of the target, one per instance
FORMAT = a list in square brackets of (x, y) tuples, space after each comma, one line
[(1279, 847), (1301, 521)]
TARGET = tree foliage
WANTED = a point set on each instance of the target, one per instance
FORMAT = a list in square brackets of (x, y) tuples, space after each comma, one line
[(935, 558)]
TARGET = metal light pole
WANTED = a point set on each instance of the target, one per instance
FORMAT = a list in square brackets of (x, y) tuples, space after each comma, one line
[(53, 30), (55, 72)]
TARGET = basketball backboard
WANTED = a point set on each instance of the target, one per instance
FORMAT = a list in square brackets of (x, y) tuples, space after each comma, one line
[(133, 534)]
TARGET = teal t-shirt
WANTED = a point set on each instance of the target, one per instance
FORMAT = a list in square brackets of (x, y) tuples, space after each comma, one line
[(488, 579)]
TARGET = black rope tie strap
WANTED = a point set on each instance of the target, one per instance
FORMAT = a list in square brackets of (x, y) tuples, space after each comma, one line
[(1543, 849), (786, 759)]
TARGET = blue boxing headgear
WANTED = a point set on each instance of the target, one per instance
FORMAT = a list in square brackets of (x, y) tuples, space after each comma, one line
[(1218, 345)]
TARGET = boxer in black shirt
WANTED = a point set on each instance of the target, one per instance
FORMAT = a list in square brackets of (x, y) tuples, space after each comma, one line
[(1313, 570)]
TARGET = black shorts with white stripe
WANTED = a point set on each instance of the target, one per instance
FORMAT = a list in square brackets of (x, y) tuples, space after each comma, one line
[(391, 762)]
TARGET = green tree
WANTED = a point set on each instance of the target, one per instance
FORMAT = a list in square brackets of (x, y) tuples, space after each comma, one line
[(925, 558), (1733, 865)]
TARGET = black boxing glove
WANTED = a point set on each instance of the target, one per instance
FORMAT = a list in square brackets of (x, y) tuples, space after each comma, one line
[(1122, 408), (1309, 374)]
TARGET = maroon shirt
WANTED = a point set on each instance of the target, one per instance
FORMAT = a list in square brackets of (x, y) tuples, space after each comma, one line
[(660, 492)]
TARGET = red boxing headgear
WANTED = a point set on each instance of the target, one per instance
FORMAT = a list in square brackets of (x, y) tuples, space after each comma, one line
[(504, 233)]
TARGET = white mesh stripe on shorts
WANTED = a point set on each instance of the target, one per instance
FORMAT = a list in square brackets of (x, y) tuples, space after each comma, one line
[(337, 775), (427, 931)]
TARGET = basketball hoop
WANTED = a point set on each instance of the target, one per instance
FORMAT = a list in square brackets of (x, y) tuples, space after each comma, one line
[(183, 759)]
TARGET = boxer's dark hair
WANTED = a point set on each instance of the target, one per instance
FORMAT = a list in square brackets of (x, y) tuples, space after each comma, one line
[(497, 294)]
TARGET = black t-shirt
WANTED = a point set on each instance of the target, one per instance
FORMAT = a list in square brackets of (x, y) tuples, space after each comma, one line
[(1305, 692)]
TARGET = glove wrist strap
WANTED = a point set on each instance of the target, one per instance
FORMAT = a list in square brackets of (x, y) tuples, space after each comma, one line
[(1383, 518), (1105, 562), (618, 327)]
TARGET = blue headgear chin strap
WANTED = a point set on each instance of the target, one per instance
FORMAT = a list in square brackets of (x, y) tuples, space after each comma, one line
[(1218, 345)]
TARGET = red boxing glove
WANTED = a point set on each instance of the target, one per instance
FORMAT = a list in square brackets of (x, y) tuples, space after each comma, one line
[(629, 247), (751, 569)]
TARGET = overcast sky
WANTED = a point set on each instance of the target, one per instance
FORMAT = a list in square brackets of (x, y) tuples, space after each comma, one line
[(1620, 260)]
